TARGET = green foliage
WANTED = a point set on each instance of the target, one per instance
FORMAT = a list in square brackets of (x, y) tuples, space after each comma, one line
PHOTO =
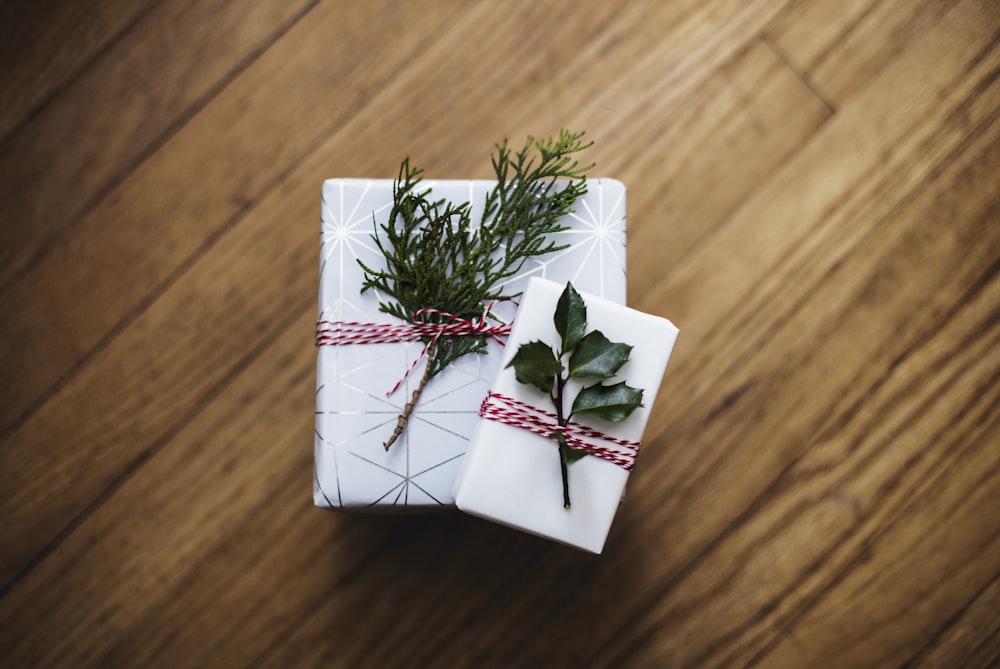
[(596, 357), (590, 355), (435, 257), (570, 318), (536, 364), (613, 403), (571, 455)]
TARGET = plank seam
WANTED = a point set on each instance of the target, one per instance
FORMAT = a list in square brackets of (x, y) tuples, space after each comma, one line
[(867, 545), (147, 454), (158, 142), (863, 16), (765, 178), (70, 78), (801, 76), (740, 361), (781, 15), (921, 654), (170, 280), (155, 293), (864, 554)]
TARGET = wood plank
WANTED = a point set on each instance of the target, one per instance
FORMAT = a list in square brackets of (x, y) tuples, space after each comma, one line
[(45, 43), (318, 641), (841, 47), (203, 550), (176, 366), (95, 413), (669, 519), (971, 639), (181, 526), (154, 537), (62, 162), (920, 295), (807, 191), (315, 642), (185, 195), (243, 161), (819, 176), (754, 113), (226, 283), (811, 28), (854, 172), (922, 570)]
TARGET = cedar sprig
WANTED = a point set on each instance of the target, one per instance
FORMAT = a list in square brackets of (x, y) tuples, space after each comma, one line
[(435, 257)]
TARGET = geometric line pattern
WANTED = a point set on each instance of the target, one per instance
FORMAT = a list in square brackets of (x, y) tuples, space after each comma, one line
[(354, 416)]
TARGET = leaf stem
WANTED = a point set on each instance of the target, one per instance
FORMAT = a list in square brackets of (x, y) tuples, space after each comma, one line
[(408, 409), (560, 437)]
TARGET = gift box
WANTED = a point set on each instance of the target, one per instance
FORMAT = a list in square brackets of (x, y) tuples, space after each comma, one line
[(511, 472), (354, 417)]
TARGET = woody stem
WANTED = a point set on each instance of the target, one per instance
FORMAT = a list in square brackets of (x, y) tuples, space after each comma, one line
[(408, 409), (563, 448)]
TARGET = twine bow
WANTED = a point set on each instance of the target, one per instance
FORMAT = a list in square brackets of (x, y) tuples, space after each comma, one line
[(342, 333)]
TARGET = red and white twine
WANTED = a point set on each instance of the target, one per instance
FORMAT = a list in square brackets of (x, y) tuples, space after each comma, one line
[(342, 333), (516, 413)]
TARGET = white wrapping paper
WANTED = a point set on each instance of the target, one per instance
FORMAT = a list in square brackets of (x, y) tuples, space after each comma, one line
[(512, 476), (353, 415)]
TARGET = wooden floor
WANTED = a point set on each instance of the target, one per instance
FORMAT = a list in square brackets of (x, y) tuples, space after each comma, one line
[(814, 198)]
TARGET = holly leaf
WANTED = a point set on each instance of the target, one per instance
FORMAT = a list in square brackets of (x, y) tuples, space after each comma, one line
[(613, 403), (570, 318), (597, 357), (569, 455), (536, 364)]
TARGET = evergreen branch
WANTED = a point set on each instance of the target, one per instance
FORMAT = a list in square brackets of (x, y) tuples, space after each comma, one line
[(435, 258)]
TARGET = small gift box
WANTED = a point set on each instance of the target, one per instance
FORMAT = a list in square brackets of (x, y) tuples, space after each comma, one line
[(354, 415), (513, 470)]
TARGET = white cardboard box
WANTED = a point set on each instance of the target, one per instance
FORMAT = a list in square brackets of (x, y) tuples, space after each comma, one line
[(353, 415), (512, 476)]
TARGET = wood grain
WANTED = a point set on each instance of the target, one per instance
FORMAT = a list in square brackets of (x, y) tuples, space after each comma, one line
[(812, 199), (753, 113), (840, 47), (101, 125), (241, 295), (914, 573), (134, 242), (872, 449), (844, 181), (45, 43), (971, 636)]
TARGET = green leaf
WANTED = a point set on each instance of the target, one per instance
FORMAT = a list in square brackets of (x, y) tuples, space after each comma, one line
[(571, 455), (596, 357), (536, 364), (613, 403), (570, 318)]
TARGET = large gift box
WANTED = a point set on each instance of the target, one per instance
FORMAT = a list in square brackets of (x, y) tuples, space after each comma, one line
[(354, 415)]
